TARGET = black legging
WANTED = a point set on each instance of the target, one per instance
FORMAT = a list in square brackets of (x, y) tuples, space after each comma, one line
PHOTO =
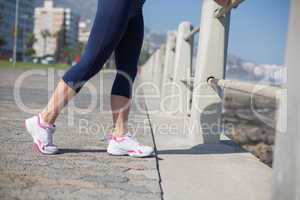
[(118, 27)]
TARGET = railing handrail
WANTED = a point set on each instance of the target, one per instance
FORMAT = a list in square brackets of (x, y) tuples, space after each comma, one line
[(266, 91), (192, 33)]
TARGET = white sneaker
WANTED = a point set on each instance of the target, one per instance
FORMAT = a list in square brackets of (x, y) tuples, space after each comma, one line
[(42, 135), (128, 145)]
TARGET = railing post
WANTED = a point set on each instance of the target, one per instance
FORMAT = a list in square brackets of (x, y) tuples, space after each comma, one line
[(211, 62), (286, 176), (182, 69), (158, 66), (169, 63), (147, 69)]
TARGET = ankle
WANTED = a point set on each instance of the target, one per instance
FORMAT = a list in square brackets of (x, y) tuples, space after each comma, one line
[(46, 118), (119, 133)]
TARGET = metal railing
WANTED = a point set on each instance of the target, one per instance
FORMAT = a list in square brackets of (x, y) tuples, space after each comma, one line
[(201, 92), (191, 34), (266, 91)]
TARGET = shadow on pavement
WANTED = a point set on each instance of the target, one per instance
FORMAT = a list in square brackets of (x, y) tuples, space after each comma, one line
[(225, 147), (64, 151)]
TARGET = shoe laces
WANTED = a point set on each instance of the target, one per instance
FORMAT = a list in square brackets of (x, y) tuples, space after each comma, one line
[(128, 136), (50, 132), (133, 138)]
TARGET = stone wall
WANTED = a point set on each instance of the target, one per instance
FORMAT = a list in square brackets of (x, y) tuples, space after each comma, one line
[(250, 121)]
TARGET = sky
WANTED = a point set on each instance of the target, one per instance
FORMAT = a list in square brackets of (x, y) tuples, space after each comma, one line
[(258, 27)]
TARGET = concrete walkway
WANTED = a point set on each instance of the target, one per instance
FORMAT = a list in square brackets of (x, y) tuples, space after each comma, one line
[(83, 170), (198, 171), (194, 171), (182, 169)]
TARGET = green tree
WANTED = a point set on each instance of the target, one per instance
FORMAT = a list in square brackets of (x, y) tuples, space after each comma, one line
[(81, 47), (30, 41), (60, 44), (2, 40), (45, 35), (70, 54), (64, 52)]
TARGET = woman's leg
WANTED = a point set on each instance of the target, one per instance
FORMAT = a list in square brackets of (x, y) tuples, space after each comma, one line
[(120, 110), (109, 26), (61, 96), (127, 55)]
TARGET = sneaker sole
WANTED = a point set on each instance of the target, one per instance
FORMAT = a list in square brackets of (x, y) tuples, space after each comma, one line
[(125, 153), (36, 149), (140, 155)]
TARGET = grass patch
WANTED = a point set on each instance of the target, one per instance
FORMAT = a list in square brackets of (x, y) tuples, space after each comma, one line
[(23, 65)]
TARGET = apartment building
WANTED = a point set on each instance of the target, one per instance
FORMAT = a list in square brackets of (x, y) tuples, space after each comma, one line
[(49, 22), (7, 26)]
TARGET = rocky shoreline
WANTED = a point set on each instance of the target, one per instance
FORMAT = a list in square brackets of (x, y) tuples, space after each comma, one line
[(251, 122)]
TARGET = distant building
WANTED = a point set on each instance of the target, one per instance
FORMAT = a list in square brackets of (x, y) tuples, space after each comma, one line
[(72, 27), (83, 37), (50, 20), (7, 13), (84, 31)]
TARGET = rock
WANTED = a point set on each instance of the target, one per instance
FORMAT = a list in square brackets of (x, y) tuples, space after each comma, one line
[(254, 125)]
